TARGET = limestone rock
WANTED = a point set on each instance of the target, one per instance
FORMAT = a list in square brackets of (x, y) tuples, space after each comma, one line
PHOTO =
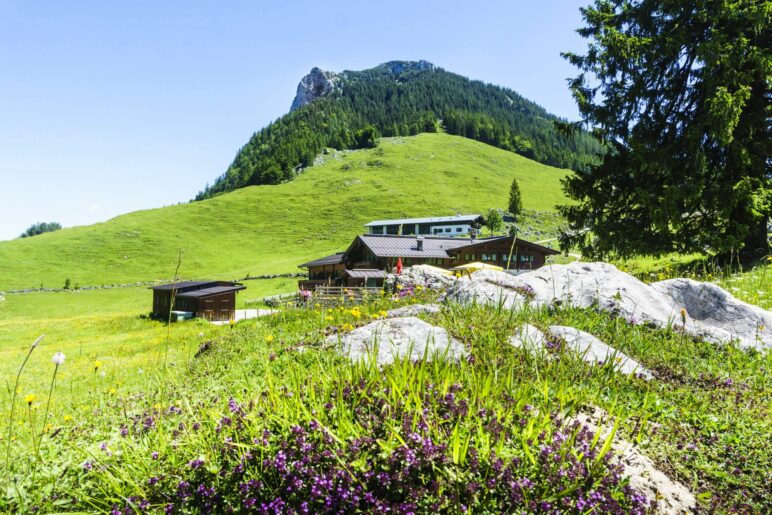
[(672, 498), (594, 351), (317, 83), (529, 337), (711, 312), (395, 338), (413, 310), (424, 276), (488, 287), (716, 315)]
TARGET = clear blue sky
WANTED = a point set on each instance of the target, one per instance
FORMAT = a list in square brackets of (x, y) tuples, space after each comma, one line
[(110, 107)]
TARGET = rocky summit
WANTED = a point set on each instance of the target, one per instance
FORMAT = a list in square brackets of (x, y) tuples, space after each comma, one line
[(316, 84)]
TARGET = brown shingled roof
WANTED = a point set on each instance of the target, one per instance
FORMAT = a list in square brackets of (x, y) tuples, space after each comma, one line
[(388, 246)]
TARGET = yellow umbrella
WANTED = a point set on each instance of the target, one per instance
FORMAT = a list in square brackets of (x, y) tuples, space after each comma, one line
[(473, 267)]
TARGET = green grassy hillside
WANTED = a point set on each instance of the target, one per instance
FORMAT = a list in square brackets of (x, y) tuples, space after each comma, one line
[(268, 229)]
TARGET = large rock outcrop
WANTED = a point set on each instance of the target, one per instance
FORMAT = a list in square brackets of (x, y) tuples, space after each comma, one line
[(710, 312), (317, 83), (424, 276), (395, 338), (717, 316)]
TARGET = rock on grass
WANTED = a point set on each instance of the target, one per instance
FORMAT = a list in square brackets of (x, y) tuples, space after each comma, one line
[(396, 338), (709, 311), (592, 350)]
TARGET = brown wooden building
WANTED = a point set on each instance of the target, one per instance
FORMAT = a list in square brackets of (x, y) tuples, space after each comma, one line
[(211, 300), (371, 256)]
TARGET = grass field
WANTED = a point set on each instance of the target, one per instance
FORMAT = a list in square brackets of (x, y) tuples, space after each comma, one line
[(109, 326), (131, 438), (268, 229)]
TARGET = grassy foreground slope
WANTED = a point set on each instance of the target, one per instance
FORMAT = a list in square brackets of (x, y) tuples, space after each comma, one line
[(268, 229)]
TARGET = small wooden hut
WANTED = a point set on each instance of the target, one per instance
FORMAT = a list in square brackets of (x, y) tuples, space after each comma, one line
[(211, 300)]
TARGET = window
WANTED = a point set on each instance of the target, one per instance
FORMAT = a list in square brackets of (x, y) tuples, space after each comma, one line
[(493, 257), (458, 229), (447, 229), (485, 257)]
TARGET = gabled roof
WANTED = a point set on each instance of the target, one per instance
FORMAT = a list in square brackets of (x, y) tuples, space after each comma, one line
[(519, 244), (332, 259), (388, 246), (428, 220), (207, 292)]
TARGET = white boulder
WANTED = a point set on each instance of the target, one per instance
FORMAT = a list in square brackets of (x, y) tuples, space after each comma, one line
[(529, 337), (672, 498), (592, 350), (425, 276), (710, 311), (413, 310), (716, 315), (395, 338)]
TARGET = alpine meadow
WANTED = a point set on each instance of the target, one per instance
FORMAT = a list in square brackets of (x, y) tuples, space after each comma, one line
[(410, 292)]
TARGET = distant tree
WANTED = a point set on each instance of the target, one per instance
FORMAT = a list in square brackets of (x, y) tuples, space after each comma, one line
[(367, 137), (40, 228), (680, 92), (515, 199), (67, 284), (494, 221)]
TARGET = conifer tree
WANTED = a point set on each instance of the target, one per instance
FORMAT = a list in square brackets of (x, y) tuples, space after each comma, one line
[(680, 93), (515, 199)]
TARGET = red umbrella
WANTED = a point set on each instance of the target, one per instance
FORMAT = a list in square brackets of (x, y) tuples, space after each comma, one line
[(399, 265)]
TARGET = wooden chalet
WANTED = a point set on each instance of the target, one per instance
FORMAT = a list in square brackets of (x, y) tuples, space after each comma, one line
[(211, 300), (370, 257)]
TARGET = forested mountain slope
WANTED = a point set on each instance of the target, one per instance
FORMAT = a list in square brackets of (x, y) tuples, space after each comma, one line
[(398, 98)]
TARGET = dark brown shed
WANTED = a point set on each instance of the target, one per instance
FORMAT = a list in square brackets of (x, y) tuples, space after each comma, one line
[(211, 300)]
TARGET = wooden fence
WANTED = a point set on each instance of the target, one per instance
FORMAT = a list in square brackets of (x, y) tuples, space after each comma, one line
[(342, 295)]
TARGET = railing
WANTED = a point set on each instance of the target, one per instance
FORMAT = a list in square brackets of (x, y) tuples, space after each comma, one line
[(342, 295), (277, 300)]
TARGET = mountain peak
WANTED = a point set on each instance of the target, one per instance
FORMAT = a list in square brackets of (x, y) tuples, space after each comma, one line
[(314, 85), (398, 67)]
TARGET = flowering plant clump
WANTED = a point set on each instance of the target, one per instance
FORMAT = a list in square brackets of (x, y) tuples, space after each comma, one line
[(405, 458)]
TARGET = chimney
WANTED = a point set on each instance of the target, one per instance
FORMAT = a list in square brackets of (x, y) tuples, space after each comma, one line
[(419, 243)]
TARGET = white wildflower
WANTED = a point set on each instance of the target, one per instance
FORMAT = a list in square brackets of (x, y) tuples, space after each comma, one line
[(58, 359)]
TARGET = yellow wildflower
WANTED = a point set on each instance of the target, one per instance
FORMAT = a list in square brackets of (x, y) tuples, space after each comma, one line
[(30, 398), (67, 418), (97, 364), (269, 338), (328, 318), (112, 391)]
